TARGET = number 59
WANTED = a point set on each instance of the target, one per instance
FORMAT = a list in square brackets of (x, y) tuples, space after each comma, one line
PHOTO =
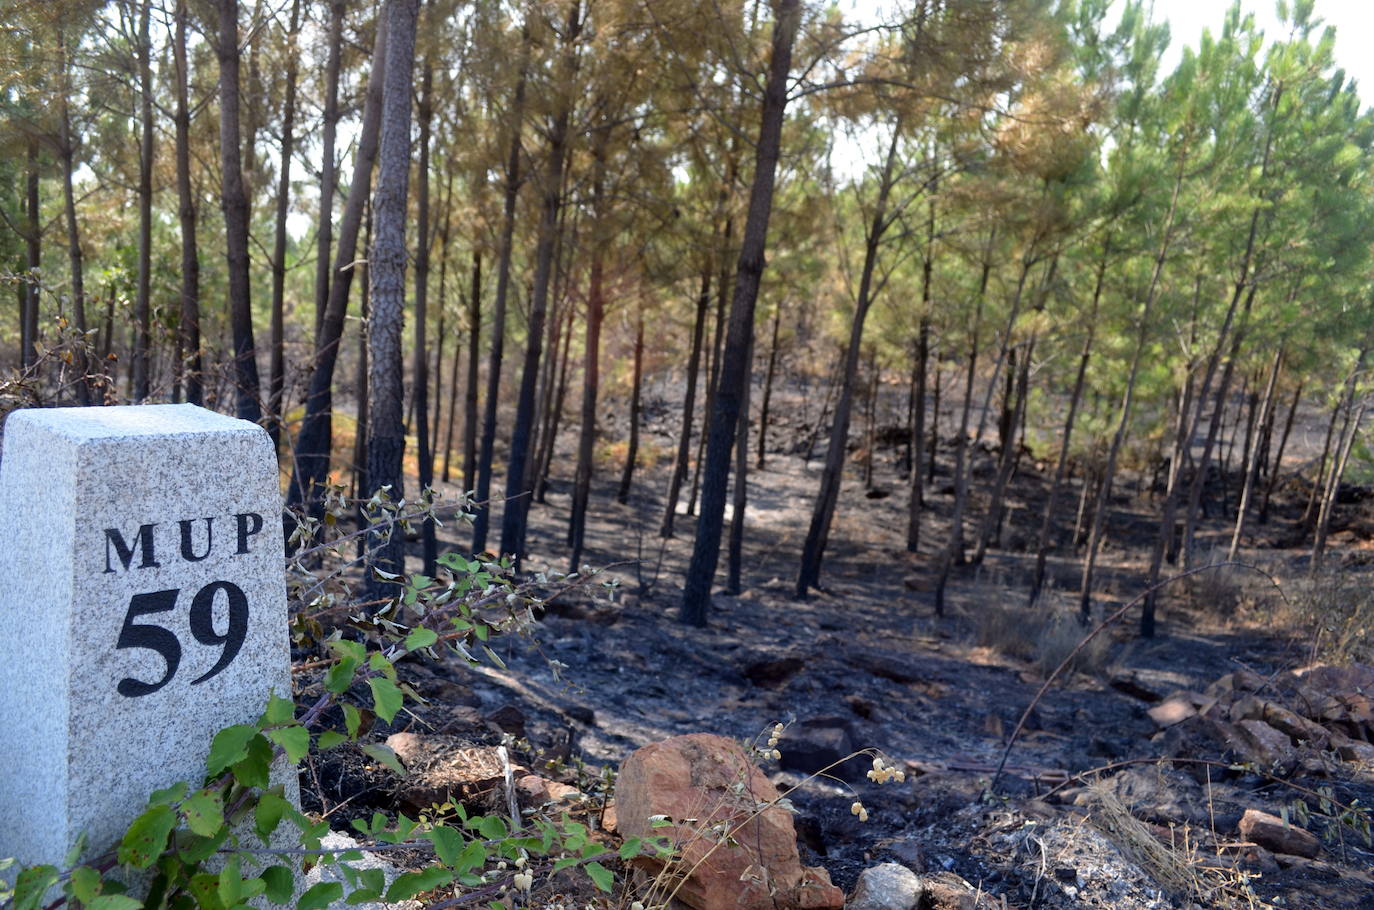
[(164, 642)]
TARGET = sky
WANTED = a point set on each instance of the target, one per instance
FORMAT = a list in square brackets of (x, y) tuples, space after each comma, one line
[(1353, 20)]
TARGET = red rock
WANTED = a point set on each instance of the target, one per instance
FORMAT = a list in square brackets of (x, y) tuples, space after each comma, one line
[(1272, 833), (1173, 709), (711, 780), (1267, 746), (534, 790)]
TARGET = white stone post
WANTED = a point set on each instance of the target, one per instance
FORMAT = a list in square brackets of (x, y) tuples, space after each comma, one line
[(142, 609)]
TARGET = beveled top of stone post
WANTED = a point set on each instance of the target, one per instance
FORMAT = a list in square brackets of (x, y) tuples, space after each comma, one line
[(81, 424)]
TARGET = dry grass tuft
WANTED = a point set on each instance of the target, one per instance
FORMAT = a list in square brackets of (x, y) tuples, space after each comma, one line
[(1337, 610), (1040, 637)]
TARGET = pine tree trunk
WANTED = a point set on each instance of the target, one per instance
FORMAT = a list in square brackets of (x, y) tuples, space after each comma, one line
[(314, 441), (555, 413), (276, 383), (916, 498), (385, 393), (832, 474), (482, 519), (143, 294), (235, 203), (740, 503), (67, 142), (470, 392), (419, 386), (684, 443), (622, 494), (724, 417), (1277, 465), (189, 366), (591, 363), (954, 548), (1252, 463), (1119, 437), (768, 390), (328, 174), (515, 516), (1046, 537), (33, 237)]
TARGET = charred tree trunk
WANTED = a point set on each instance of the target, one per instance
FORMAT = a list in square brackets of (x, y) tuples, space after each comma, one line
[(740, 501), (328, 173), (235, 202), (724, 417), (1277, 467), (189, 365), (514, 518), (768, 390), (385, 396), (276, 382), (684, 444), (591, 363), (314, 441), (622, 494), (1252, 462), (832, 474), (482, 519), (470, 392), (143, 294), (419, 387), (67, 143)]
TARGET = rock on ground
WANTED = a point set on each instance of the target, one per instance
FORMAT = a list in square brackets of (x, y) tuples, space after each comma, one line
[(886, 887), (738, 849)]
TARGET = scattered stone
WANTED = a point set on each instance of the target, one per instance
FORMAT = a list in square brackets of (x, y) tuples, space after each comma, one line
[(816, 744), (534, 790), (1174, 709), (1130, 684), (886, 887), (458, 720), (772, 672), (510, 719), (1272, 833), (710, 779), (446, 768), (582, 714), (1267, 746), (947, 891)]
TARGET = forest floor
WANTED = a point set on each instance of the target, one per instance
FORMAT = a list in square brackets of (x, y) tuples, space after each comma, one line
[(865, 663)]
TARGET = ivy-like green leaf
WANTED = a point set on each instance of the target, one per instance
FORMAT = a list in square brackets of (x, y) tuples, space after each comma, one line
[(146, 838), (278, 884), (412, 883), (448, 843), (252, 770), (114, 902), (231, 882), (169, 795), (279, 711), (353, 721), (205, 889), (340, 676), (85, 883), (295, 740), (600, 876), (386, 697), (630, 848), (229, 747), (386, 755), (320, 896), (329, 739), (268, 814), (493, 827), (421, 638), (204, 813), (31, 884)]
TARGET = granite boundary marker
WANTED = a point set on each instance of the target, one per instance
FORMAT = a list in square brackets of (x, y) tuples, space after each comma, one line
[(142, 609)]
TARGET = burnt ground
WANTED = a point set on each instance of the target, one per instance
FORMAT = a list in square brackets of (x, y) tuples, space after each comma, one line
[(865, 664)]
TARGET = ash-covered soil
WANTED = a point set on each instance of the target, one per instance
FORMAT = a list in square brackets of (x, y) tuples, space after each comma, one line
[(865, 664)]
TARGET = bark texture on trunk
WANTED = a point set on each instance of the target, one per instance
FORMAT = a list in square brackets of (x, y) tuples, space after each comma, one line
[(724, 418), (234, 199), (387, 275), (188, 367)]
